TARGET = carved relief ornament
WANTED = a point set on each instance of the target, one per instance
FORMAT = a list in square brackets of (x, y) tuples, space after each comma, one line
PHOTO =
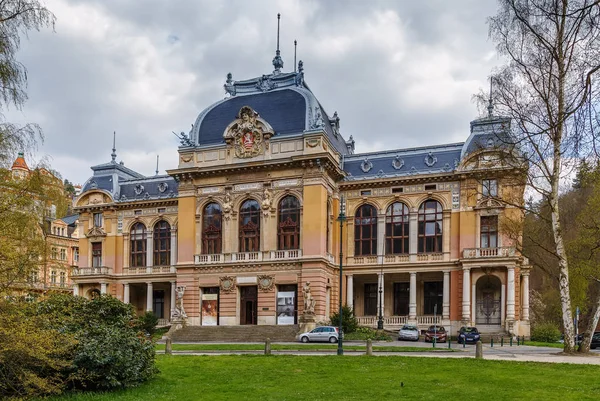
[(248, 134), (227, 283), (266, 283)]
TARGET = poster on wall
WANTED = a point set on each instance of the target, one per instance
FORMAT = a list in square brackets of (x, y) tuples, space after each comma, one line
[(209, 309), (286, 303)]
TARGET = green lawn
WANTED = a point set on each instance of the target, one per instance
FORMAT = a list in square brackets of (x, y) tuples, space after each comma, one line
[(294, 347), (255, 377), (542, 344)]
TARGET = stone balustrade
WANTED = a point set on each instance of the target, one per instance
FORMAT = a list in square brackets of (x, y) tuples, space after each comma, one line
[(502, 252)]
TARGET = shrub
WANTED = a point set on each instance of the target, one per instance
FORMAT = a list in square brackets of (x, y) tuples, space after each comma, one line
[(349, 322), (545, 332), (366, 333), (148, 322)]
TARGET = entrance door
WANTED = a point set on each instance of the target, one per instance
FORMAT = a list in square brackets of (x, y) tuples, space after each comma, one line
[(158, 307), (488, 292), (401, 298), (248, 304), (370, 300)]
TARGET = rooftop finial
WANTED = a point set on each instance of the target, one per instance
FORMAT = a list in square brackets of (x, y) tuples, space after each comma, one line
[(156, 164), (295, 47), (490, 104), (277, 61), (114, 148)]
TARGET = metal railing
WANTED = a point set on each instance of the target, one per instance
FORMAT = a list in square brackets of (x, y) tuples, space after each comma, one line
[(502, 252)]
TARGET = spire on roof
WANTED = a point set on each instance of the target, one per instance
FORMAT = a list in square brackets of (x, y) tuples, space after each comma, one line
[(114, 149), (277, 61), (490, 104), (295, 46), (156, 164)]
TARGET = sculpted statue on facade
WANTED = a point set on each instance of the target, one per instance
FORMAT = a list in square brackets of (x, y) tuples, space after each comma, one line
[(248, 134), (179, 313), (227, 203), (309, 301), (266, 201)]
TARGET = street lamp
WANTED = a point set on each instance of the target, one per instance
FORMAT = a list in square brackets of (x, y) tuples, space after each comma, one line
[(341, 218), (380, 320)]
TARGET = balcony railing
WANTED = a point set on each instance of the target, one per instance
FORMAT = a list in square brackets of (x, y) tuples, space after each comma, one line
[(397, 320), (247, 256), (149, 270), (88, 271), (397, 259), (503, 252)]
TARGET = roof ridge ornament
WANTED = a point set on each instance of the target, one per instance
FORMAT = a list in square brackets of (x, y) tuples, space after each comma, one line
[(229, 85), (490, 101), (113, 155), (277, 60)]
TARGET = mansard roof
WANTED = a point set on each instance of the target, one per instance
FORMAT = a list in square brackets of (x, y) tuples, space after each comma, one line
[(403, 162), (284, 100)]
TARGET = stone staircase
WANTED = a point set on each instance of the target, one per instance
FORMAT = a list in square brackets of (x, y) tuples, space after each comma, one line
[(235, 333)]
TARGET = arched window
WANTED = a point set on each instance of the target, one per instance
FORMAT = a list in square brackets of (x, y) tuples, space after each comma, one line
[(365, 231), (430, 227), (137, 236), (162, 244), (250, 226), (396, 229), (211, 229), (288, 227)]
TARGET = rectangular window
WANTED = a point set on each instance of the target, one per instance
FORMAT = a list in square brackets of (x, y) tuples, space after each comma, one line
[(75, 255), (430, 187), (489, 188), (97, 219), (53, 277), (137, 212), (365, 193), (489, 231), (35, 277), (96, 254), (401, 298), (63, 279), (54, 253), (63, 254), (397, 190), (433, 293), (161, 210), (370, 300)]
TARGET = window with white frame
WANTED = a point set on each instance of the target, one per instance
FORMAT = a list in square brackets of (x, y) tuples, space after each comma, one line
[(489, 188), (97, 219)]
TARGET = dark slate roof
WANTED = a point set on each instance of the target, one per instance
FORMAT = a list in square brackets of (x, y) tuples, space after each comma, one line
[(158, 187), (403, 162), (284, 110), (69, 220), (488, 132), (99, 182)]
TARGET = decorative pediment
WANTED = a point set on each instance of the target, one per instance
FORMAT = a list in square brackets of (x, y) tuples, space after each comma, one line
[(248, 134), (489, 203), (95, 232)]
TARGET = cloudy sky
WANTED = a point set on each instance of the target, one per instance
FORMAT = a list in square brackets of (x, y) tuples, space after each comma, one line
[(399, 73)]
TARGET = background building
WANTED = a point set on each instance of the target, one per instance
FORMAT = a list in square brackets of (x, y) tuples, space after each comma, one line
[(247, 220)]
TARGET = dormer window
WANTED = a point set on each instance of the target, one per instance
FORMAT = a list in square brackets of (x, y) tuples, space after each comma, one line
[(489, 188)]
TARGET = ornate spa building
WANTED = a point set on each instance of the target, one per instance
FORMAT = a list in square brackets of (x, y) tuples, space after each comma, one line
[(249, 217)]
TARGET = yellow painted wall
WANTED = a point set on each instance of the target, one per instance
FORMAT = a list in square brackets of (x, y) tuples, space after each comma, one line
[(314, 220), (186, 230)]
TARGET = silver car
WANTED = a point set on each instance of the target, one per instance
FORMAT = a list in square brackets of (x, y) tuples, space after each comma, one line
[(408, 332), (323, 333)]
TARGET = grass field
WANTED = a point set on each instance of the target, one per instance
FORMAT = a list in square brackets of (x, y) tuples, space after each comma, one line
[(254, 377), (299, 347)]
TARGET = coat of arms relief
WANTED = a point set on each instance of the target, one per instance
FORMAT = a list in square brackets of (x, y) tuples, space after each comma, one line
[(248, 134)]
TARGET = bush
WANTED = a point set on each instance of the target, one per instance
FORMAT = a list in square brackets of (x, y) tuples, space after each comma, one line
[(349, 322), (148, 322), (366, 333), (545, 332)]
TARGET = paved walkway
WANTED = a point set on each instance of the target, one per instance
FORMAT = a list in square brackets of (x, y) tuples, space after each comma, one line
[(522, 353)]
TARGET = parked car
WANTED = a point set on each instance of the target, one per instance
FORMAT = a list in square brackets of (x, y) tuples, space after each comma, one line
[(323, 333), (468, 335), (595, 340), (408, 332), (437, 332), (578, 339)]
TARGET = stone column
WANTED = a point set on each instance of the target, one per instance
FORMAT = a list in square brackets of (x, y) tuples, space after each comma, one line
[(412, 303), (466, 302), (149, 248), (510, 294), (75, 290), (126, 246), (380, 299), (413, 235), (350, 291), (103, 288), (126, 293), (525, 295), (380, 237), (446, 296), (173, 247), (149, 295), (174, 297)]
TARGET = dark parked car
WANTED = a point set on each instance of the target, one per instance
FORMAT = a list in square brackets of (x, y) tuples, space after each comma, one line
[(437, 332), (468, 335), (595, 340)]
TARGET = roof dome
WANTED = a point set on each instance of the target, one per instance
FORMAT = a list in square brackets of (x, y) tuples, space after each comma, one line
[(19, 163), (281, 99)]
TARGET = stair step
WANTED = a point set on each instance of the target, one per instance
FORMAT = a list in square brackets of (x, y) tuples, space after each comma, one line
[(235, 333)]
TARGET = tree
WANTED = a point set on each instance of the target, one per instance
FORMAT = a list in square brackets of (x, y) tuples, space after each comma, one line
[(548, 89)]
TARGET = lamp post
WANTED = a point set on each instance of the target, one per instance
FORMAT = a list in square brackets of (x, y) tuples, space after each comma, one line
[(341, 218), (380, 320)]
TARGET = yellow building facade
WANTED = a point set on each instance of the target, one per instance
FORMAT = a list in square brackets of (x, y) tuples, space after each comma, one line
[(245, 230)]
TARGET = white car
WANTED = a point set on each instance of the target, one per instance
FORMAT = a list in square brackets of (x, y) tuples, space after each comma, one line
[(408, 332), (323, 333)]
